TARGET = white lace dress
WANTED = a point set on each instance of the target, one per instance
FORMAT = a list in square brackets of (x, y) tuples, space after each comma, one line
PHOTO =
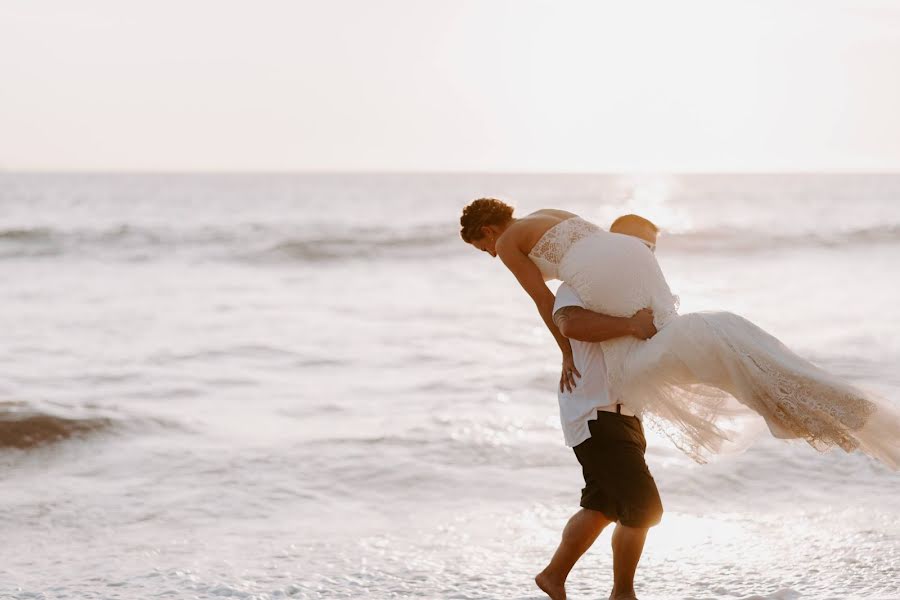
[(705, 379)]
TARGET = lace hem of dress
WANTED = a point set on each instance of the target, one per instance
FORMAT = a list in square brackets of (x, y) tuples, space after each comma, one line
[(796, 399)]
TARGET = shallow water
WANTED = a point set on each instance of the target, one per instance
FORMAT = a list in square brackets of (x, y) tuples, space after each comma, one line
[(306, 386)]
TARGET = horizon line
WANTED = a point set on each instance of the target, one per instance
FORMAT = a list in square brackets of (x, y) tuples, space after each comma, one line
[(626, 172)]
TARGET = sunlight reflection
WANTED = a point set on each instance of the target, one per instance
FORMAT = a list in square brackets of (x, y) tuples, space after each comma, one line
[(691, 535), (650, 196)]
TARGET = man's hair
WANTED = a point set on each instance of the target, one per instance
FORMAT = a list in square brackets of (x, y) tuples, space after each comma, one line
[(636, 220)]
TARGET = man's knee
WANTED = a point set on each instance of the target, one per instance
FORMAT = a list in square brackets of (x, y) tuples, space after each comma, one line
[(632, 530), (595, 515)]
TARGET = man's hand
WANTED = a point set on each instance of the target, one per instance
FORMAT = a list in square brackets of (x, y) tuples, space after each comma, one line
[(642, 324)]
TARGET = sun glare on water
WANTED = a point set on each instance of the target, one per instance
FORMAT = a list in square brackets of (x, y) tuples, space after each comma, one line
[(651, 196)]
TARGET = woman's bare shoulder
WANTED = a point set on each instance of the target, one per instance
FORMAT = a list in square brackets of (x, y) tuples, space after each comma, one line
[(527, 230), (553, 213)]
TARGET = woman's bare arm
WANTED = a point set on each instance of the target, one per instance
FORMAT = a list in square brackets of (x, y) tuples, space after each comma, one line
[(530, 278)]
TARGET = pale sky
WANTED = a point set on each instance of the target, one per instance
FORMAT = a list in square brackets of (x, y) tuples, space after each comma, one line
[(455, 85)]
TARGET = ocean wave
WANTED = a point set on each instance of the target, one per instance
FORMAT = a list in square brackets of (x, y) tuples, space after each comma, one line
[(251, 242), (24, 426), (363, 244), (25, 432), (265, 243), (26, 234), (744, 240)]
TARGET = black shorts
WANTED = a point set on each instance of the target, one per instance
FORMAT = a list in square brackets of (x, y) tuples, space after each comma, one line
[(617, 481)]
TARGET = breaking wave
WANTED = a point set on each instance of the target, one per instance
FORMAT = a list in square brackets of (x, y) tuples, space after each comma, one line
[(276, 243), (743, 240), (24, 426)]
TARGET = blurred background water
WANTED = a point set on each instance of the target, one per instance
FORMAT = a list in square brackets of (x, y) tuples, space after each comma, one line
[(307, 386)]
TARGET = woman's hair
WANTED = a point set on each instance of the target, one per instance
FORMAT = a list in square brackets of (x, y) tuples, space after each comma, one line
[(482, 213)]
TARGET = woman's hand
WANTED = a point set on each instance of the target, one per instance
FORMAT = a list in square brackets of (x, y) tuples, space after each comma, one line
[(567, 378)]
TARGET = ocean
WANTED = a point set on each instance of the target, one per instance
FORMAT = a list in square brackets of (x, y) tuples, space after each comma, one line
[(306, 386)]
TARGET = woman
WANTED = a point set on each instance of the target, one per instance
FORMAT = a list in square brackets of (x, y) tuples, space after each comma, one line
[(699, 375)]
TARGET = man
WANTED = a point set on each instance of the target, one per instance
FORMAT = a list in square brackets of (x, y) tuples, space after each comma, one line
[(638, 227), (608, 441)]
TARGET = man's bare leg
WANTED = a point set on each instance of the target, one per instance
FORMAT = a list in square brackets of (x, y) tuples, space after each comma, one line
[(578, 535), (627, 545)]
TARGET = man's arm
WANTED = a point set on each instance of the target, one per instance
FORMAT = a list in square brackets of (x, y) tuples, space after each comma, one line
[(582, 324)]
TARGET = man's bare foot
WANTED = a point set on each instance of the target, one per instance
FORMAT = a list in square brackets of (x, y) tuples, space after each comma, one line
[(626, 596), (553, 588)]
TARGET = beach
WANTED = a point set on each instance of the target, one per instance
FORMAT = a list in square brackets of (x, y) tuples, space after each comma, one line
[(307, 386)]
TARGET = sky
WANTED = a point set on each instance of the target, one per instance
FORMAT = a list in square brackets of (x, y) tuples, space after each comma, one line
[(454, 85)]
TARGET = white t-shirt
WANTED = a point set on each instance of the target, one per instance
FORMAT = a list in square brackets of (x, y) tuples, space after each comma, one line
[(577, 407)]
